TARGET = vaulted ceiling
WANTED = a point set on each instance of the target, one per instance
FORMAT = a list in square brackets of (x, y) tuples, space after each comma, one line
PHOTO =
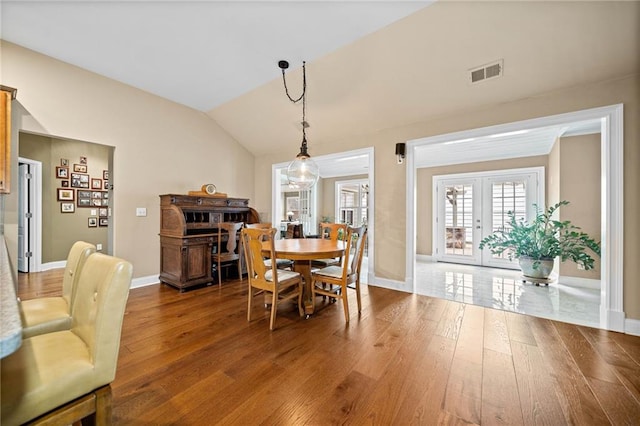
[(370, 65)]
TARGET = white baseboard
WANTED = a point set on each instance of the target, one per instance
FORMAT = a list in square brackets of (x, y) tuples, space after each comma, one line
[(145, 281), (632, 326), (425, 258), (390, 284), (53, 265), (580, 282)]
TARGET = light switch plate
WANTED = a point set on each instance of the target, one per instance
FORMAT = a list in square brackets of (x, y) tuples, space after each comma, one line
[(141, 211)]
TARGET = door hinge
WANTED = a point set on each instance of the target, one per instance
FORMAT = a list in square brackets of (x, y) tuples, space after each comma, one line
[(28, 176), (28, 215), (28, 254)]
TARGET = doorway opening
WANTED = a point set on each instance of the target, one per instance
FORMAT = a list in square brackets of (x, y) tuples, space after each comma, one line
[(349, 165), (610, 123)]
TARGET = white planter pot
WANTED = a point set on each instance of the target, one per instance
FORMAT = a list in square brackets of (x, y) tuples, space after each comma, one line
[(542, 270)]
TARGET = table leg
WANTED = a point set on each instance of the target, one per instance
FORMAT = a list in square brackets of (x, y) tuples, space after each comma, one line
[(304, 268)]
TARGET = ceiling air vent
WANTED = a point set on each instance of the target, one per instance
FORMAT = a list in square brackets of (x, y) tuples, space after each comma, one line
[(486, 72)]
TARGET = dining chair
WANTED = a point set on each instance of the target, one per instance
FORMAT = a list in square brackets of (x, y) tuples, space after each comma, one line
[(227, 251), (280, 263), (294, 230), (283, 285), (61, 377), (334, 232), (48, 314), (340, 277)]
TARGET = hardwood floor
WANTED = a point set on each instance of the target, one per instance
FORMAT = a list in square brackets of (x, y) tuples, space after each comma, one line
[(193, 359)]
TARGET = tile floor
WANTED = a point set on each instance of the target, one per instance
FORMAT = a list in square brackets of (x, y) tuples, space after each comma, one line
[(503, 289)]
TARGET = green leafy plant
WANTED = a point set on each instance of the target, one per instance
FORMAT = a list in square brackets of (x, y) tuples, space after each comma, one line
[(543, 239)]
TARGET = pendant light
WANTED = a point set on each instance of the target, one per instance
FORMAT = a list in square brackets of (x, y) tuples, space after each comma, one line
[(302, 172)]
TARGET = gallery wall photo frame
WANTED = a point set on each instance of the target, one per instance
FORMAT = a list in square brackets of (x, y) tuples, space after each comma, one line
[(66, 194), (64, 183), (103, 221), (64, 162), (93, 222), (80, 168), (79, 180), (62, 172), (103, 212), (67, 207), (84, 198), (96, 183), (105, 174)]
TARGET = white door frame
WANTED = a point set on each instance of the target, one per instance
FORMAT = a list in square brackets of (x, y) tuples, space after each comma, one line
[(612, 316), (35, 230)]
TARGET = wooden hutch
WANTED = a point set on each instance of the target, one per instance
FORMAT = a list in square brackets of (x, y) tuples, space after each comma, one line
[(188, 232)]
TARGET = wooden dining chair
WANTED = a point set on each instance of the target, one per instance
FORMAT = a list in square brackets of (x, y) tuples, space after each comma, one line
[(295, 230), (340, 277), (334, 232), (283, 285), (227, 250), (280, 263)]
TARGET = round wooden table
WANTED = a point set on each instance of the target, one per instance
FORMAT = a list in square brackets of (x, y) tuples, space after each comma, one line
[(302, 251)]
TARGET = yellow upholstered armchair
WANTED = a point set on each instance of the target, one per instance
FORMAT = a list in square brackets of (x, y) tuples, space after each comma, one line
[(48, 314), (64, 376)]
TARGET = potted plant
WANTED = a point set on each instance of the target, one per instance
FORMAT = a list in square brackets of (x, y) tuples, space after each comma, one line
[(537, 244)]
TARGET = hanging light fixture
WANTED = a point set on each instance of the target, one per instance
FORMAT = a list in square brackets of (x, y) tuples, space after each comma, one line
[(302, 172)]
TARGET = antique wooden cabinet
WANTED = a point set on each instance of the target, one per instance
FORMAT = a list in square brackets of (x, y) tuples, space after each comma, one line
[(187, 234)]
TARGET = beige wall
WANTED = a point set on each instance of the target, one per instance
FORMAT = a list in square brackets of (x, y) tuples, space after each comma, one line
[(61, 230), (159, 147), (580, 185), (424, 181)]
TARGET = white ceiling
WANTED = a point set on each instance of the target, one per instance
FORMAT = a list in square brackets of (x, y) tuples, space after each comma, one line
[(197, 53), (371, 65)]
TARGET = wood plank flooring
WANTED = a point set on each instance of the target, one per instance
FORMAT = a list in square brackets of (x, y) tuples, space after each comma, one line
[(193, 359)]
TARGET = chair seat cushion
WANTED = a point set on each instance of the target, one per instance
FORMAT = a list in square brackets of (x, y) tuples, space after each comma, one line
[(280, 263), (47, 371), (44, 315), (331, 271), (282, 275), (323, 263)]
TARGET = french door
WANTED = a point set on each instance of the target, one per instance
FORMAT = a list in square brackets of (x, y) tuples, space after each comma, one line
[(470, 206)]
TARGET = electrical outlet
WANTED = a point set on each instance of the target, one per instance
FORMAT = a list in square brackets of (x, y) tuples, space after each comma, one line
[(98, 247), (141, 211)]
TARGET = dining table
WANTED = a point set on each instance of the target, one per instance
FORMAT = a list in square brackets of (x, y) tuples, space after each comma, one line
[(303, 251)]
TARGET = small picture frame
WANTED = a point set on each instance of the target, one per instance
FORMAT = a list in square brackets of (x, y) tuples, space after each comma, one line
[(64, 183), (103, 212), (64, 162), (62, 172), (103, 221), (84, 202), (96, 194), (83, 160), (96, 183), (65, 194), (105, 174), (80, 168), (67, 207), (93, 222), (96, 202)]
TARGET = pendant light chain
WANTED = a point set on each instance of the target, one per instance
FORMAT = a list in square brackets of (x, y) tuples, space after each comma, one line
[(304, 104)]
